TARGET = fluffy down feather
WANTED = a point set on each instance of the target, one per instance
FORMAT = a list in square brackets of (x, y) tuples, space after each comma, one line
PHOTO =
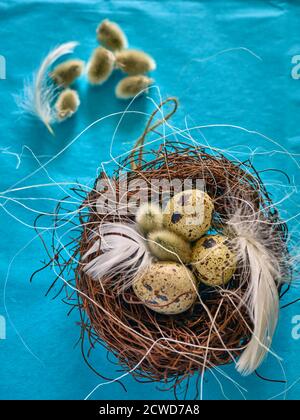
[(254, 241), (124, 256), (39, 96)]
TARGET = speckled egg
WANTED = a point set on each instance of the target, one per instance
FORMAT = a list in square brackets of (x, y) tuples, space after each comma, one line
[(189, 214), (167, 288), (214, 262)]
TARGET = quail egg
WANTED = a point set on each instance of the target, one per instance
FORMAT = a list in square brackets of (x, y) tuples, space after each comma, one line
[(167, 288), (213, 260), (189, 214)]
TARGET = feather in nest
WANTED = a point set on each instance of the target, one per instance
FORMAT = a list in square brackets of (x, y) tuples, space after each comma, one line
[(260, 251), (39, 95), (124, 255)]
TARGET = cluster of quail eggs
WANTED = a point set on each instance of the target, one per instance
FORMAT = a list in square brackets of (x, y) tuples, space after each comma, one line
[(184, 253), (113, 53)]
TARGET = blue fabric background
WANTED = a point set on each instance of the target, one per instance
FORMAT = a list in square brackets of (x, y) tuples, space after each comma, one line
[(38, 357)]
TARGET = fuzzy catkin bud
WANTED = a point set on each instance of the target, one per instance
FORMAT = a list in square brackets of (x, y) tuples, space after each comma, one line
[(66, 73), (111, 36), (100, 66), (67, 104), (149, 217), (131, 86), (134, 62), (167, 246)]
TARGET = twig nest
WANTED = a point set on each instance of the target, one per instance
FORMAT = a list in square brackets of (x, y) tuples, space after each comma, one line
[(122, 321), (66, 73), (67, 104), (134, 62), (189, 214), (131, 86), (111, 36), (213, 260), (166, 245), (167, 288), (149, 217), (100, 66)]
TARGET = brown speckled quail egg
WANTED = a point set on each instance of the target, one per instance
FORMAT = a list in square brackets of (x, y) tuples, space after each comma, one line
[(189, 214), (214, 262), (167, 288)]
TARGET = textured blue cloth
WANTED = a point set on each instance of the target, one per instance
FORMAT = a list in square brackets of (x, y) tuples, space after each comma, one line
[(197, 48)]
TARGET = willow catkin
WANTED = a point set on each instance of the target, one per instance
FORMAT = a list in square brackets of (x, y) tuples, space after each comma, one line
[(101, 66), (67, 72), (67, 104), (111, 36), (167, 246), (131, 86), (149, 217), (134, 62)]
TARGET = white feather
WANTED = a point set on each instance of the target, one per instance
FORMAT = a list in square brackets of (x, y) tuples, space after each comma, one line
[(254, 242), (124, 255), (39, 95)]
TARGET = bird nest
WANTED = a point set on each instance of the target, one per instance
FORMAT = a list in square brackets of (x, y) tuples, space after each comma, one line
[(217, 328)]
